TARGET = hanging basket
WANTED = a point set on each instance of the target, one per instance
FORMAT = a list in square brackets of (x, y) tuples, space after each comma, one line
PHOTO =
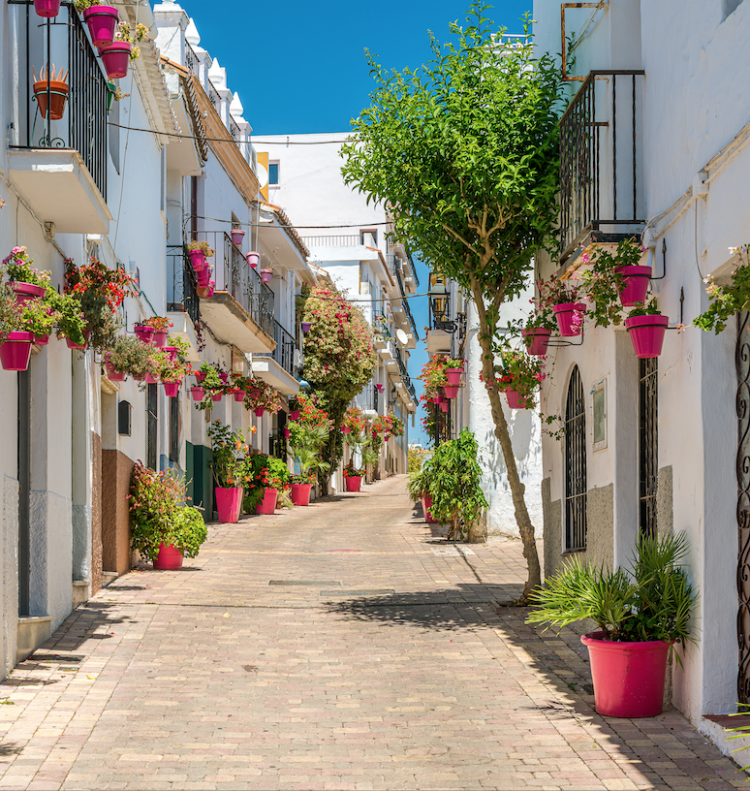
[(159, 338), (536, 340), (41, 340), (647, 334), (294, 415), (637, 279), (253, 259), (116, 59), (451, 391), (102, 21), (306, 327), (444, 406), (15, 351), (260, 411), (52, 95), (171, 389), (112, 374), (198, 260), (454, 376), (172, 351), (239, 396), (515, 400), (217, 396), (237, 236), (266, 275)]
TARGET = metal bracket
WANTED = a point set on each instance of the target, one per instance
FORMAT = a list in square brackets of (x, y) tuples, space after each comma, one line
[(559, 344)]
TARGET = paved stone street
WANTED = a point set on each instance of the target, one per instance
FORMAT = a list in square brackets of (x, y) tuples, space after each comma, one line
[(342, 646)]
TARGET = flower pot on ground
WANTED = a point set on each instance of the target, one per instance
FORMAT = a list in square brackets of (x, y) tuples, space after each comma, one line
[(267, 506), (169, 558), (197, 393), (15, 351), (637, 279), (116, 59), (171, 389), (353, 478), (51, 93), (640, 613), (353, 484), (569, 317), (515, 400), (253, 259), (426, 505), (48, 9), (537, 340), (266, 275), (237, 236), (301, 494), (647, 334), (144, 333), (265, 477), (229, 504), (102, 21)]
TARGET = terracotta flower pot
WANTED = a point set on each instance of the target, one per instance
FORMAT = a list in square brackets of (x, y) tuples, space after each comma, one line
[(647, 334), (537, 340), (169, 558), (353, 484), (268, 504), (637, 279), (26, 292), (52, 95), (116, 59), (15, 351), (229, 504), (301, 493), (102, 21), (628, 677), (565, 313)]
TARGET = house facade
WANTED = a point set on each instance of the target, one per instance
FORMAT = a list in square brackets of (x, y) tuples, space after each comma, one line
[(654, 146)]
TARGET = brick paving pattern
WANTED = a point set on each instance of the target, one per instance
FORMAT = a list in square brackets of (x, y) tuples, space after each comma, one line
[(342, 646)]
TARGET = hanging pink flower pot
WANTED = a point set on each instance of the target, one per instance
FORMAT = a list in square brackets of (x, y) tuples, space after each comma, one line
[(41, 340), (171, 351), (217, 396), (454, 375), (637, 279), (229, 504), (112, 375), (253, 259), (537, 340), (301, 494), (647, 334), (169, 558), (353, 483), (15, 351), (144, 333), (198, 260), (451, 391), (266, 275), (160, 338), (444, 406), (197, 393), (237, 236), (268, 504), (294, 415), (204, 278), (116, 59), (76, 346), (628, 677), (224, 377), (438, 399), (426, 505), (346, 429), (380, 387), (515, 401), (210, 290), (150, 379), (48, 9), (239, 396), (569, 318), (306, 326), (171, 389), (199, 377), (287, 433), (260, 411), (102, 21), (26, 292)]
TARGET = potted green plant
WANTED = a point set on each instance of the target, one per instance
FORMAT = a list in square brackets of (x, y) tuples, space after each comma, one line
[(199, 252), (162, 528), (518, 374), (70, 320), (562, 297), (128, 357), (640, 614), (39, 318), (538, 329), (15, 340), (647, 327), (307, 441), (228, 466), (210, 387), (161, 326), (418, 488), (265, 478), (614, 279), (26, 282)]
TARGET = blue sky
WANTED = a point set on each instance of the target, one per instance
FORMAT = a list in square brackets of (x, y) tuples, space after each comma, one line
[(299, 67)]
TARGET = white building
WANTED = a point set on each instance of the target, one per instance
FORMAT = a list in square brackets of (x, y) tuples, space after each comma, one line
[(655, 143), (349, 239)]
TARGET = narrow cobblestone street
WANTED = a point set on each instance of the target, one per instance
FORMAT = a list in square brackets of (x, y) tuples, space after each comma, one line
[(342, 646)]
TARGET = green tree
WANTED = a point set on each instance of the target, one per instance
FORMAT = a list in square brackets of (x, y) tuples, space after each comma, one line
[(465, 153)]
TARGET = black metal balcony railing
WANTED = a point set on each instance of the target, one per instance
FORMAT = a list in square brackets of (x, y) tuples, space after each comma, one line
[(283, 354), (182, 296), (61, 43), (599, 158), (191, 59), (405, 378), (405, 302)]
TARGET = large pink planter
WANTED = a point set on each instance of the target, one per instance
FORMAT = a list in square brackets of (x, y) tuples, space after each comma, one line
[(229, 504), (301, 493), (268, 504), (647, 334), (637, 279), (353, 484), (116, 59), (628, 677), (426, 505), (47, 8), (26, 292), (564, 313), (102, 21), (169, 558), (454, 376), (15, 351), (515, 401), (537, 340)]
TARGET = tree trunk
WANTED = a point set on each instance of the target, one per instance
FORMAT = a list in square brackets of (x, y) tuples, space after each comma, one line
[(523, 520)]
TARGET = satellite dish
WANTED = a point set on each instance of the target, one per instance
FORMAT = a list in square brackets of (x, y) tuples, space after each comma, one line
[(403, 338)]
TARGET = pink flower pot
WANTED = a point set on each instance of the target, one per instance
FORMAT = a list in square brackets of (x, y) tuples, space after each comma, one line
[(198, 260), (160, 337), (637, 279), (26, 292), (150, 379), (266, 275), (237, 236), (353, 484), (113, 375), (287, 433), (102, 21), (647, 334), (217, 396), (42, 340), (239, 396), (346, 430), (294, 414), (565, 314), (224, 377), (454, 376), (537, 340), (197, 393), (451, 391), (268, 504), (515, 401), (253, 259), (628, 677), (47, 8), (116, 59), (229, 504), (426, 505), (171, 389), (380, 387), (144, 333), (444, 406), (199, 377), (306, 326), (438, 399), (15, 351), (204, 278), (75, 346), (301, 494), (171, 351), (260, 411), (169, 558)]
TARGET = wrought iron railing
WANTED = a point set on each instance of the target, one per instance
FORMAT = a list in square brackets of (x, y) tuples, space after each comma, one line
[(413, 269), (191, 60), (63, 44), (599, 158), (283, 354), (405, 303), (182, 294), (404, 371), (213, 95)]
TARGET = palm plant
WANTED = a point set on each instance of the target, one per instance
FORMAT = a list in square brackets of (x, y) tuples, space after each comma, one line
[(307, 442)]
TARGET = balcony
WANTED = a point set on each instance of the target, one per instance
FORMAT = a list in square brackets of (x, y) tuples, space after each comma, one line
[(241, 309), (278, 369), (59, 165), (183, 303), (600, 162)]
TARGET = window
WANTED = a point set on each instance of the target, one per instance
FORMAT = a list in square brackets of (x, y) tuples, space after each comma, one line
[(273, 174), (648, 444), (575, 466), (152, 424), (175, 424), (600, 415)]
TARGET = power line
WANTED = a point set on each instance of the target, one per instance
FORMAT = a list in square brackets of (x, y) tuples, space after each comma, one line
[(362, 225)]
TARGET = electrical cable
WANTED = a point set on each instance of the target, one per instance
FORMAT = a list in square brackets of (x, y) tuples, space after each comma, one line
[(286, 227)]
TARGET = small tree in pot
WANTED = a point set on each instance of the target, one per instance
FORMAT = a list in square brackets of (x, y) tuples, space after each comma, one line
[(228, 466)]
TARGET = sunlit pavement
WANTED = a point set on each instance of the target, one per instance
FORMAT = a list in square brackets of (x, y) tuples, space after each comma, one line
[(341, 646)]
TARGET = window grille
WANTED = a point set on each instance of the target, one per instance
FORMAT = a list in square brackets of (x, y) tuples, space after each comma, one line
[(648, 444), (575, 465), (152, 422)]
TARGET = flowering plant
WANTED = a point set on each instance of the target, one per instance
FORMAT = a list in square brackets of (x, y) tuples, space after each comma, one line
[(310, 414), (650, 308), (10, 313), (229, 448), (203, 246), (350, 471), (168, 369), (124, 33), (304, 478), (261, 473), (602, 283), (356, 422), (212, 383), (18, 268), (130, 356), (433, 375), (263, 395), (396, 426), (69, 317), (38, 318), (728, 300), (557, 292), (517, 371), (158, 324)]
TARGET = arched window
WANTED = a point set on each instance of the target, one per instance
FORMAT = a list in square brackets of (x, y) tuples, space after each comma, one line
[(575, 465)]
